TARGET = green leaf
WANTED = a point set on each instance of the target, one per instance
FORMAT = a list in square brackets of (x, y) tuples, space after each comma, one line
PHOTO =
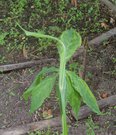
[(73, 97), (37, 80), (82, 88), (41, 92), (72, 41)]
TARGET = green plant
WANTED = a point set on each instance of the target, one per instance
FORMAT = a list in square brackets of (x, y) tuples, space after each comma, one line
[(91, 126), (72, 88)]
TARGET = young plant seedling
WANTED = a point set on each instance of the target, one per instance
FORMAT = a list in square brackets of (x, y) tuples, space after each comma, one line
[(72, 88)]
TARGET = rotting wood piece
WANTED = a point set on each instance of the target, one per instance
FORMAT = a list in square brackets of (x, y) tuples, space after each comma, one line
[(55, 122), (10, 67)]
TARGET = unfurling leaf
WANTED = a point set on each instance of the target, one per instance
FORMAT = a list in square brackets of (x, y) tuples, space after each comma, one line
[(73, 97), (82, 88), (41, 92), (71, 40), (37, 80)]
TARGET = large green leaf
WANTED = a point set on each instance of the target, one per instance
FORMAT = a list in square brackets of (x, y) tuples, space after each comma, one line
[(82, 88), (73, 97), (41, 92), (71, 40), (37, 80)]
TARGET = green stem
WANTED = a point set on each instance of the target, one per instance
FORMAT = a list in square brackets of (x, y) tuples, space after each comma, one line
[(62, 87)]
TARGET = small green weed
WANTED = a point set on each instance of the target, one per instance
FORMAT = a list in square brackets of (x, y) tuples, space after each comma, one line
[(91, 126)]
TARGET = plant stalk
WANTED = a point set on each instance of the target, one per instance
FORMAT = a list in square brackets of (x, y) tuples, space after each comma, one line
[(62, 76), (62, 87)]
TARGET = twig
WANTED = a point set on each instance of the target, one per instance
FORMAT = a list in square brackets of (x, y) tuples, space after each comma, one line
[(10, 67), (55, 122)]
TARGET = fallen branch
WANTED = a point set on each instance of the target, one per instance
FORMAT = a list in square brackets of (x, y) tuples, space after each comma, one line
[(97, 41), (110, 5), (20, 130), (55, 122), (10, 67)]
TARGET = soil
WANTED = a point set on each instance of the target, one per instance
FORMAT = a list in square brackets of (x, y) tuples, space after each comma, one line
[(100, 75)]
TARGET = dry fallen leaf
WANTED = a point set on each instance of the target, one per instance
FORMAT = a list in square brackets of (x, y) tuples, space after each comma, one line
[(47, 114), (104, 95), (74, 3), (104, 25)]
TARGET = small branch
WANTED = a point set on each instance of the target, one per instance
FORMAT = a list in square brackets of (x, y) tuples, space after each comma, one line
[(110, 5), (94, 43), (55, 122), (10, 67)]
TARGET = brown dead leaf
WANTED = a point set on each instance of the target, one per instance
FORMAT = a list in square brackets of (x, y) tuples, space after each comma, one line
[(104, 95), (104, 25), (74, 3), (47, 114)]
